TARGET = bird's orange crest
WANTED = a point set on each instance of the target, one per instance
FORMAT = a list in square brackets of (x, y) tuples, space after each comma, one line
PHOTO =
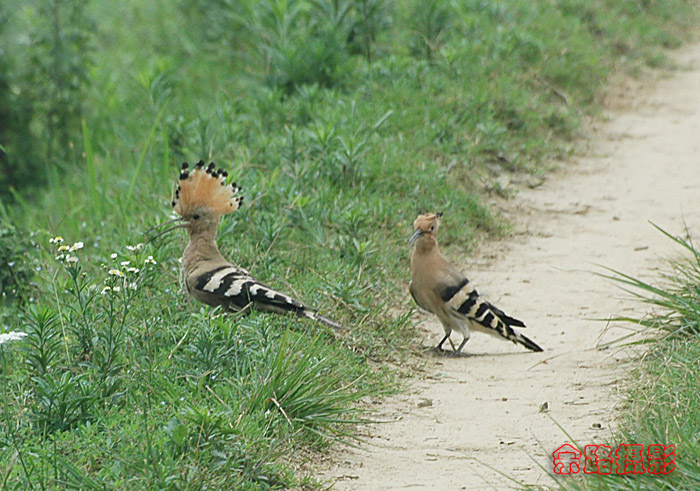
[(205, 187)]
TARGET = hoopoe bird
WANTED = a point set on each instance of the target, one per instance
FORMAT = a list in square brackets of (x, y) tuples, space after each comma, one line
[(201, 198), (439, 288)]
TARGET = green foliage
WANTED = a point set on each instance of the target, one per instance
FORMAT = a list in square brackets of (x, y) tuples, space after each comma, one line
[(664, 394), (17, 264), (62, 402), (15, 115), (341, 119), (372, 17), (60, 56), (43, 84), (677, 299), (430, 21), (302, 383), (217, 395), (43, 341), (292, 43)]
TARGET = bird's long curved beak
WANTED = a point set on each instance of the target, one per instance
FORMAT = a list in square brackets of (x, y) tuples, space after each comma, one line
[(170, 229), (415, 236)]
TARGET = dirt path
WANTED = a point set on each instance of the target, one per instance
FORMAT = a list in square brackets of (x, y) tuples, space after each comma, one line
[(644, 165)]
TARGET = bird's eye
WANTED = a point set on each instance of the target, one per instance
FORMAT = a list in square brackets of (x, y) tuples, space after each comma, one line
[(196, 216), (432, 228)]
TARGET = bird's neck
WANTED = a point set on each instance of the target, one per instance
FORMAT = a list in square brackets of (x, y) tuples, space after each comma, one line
[(201, 247), (427, 244), (426, 248)]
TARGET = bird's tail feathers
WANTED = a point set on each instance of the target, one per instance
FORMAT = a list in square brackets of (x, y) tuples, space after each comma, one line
[(511, 321), (518, 338), (310, 314), (499, 323)]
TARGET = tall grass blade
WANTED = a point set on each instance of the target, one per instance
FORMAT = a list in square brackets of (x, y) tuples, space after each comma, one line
[(146, 146)]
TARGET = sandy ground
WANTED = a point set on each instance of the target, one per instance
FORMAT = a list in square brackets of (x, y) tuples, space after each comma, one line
[(468, 413)]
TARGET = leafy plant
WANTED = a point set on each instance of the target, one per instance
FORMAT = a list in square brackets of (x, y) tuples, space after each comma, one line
[(43, 341), (17, 266), (301, 385), (61, 54), (371, 17), (62, 402), (430, 21)]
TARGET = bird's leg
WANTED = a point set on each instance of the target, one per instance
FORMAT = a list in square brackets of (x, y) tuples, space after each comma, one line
[(439, 346), (451, 344), (464, 341)]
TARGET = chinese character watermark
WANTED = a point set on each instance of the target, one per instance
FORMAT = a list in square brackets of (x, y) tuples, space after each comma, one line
[(626, 459)]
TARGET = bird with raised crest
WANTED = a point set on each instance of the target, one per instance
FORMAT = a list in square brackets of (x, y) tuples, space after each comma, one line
[(441, 289), (201, 198)]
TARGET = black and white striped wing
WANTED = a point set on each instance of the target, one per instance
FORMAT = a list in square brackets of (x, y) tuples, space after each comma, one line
[(461, 297), (235, 289)]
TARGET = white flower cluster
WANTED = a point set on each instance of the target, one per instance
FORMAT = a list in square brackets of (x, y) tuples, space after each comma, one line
[(11, 336), (64, 250), (107, 289)]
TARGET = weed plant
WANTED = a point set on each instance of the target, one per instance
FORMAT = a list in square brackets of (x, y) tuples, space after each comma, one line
[(663, 396)]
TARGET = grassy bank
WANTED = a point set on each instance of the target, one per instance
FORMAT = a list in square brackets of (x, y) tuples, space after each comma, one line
[(340, 120), (664, 390)]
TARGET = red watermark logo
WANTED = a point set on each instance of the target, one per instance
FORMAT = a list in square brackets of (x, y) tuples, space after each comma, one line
[(626, 459)]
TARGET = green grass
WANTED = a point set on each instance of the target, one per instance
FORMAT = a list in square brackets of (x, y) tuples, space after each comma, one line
[(664, 390), (340, 125)]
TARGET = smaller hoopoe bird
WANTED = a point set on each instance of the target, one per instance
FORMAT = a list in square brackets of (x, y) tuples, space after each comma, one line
[(201, 198), (438, 287)]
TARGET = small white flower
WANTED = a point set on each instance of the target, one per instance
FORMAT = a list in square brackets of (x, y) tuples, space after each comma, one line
[(133, 286), (11, 263), (137, 247), (116, 289), (71, 259), (105, 290), (63, 248), (132, 270), (150, 260), (60, 257), (125, 263), (56, 240), (11, 336), (116, 272), (76, 246), (113, 256)]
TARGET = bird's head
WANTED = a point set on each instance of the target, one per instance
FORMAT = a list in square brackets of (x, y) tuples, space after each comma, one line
[(201, 197), (425, 225)]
